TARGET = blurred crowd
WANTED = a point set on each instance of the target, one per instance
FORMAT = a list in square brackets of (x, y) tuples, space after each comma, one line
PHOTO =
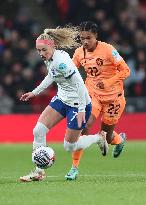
[(121, 23), (21, 69)]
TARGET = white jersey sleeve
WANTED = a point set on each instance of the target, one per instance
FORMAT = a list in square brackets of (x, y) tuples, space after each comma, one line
[(48, 80)]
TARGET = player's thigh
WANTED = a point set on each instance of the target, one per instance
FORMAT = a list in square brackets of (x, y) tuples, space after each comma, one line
[(50, 117), (112, 111), (96, 107), (72, 135)]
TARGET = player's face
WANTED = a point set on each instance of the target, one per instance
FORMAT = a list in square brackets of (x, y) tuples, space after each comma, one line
[(45, 51), (88, 40)]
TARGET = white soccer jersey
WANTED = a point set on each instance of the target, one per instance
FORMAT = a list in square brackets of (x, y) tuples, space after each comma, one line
[(71, 88)]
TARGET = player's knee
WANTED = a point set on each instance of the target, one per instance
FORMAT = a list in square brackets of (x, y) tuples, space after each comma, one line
[(70, 147)]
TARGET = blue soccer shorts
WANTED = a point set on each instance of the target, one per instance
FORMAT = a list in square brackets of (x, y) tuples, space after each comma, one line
[(70, 113)]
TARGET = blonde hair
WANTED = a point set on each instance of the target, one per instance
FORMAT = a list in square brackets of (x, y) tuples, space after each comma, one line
[(66, 37)]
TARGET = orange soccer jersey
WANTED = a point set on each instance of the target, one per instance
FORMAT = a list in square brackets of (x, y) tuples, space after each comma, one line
[(103, 64)]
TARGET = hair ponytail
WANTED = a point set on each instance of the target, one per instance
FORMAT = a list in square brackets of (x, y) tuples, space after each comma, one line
[(65, 37)]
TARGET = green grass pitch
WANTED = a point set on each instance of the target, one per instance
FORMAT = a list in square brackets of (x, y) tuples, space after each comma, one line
[(102, 180)]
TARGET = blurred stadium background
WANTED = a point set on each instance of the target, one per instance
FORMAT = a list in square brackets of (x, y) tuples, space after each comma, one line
[(121, 23), (101, 180)]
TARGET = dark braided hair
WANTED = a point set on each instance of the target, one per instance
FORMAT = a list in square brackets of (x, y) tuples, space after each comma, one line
[(89, 26)]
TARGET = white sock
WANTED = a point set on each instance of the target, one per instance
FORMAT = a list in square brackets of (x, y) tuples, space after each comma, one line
[(70, 146), (85, 141), (39, 132), (38, 169)]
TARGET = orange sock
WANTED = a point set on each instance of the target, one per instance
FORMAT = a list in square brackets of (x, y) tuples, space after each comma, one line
[(117, 139), (76, 156)]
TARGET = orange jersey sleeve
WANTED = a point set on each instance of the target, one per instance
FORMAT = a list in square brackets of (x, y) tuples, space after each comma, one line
[(122, 68)]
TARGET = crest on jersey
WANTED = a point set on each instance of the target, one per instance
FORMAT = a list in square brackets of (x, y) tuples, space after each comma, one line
[(62, 66), (99, 61), (116, 55)]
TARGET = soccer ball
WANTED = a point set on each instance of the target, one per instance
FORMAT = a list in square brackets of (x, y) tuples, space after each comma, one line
[(43, 157)]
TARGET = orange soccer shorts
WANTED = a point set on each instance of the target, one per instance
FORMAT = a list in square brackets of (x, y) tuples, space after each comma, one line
[(110, 111)]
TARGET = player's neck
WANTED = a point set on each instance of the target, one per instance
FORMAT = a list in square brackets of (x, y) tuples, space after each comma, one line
[(93, 48)]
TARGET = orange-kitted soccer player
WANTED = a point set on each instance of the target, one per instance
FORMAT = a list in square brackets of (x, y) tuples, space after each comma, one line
[(105, 70)]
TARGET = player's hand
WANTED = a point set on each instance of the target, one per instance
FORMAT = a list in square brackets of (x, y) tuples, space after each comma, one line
[(81, 118), (27, 96)]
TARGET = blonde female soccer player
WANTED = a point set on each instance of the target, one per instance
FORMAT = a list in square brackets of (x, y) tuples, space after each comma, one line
[(72, 100), (106, 71)]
